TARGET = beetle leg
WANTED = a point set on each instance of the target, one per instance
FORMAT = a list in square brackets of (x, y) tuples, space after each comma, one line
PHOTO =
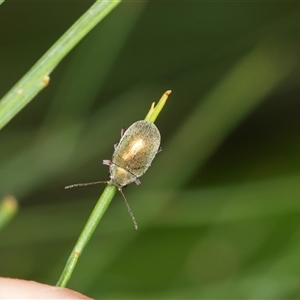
[(116, 145), (123, 131), (107, 162), (137, 182), (159, 149)]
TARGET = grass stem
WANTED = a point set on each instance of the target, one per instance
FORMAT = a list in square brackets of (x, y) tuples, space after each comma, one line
[(37, 77), (101, 207)]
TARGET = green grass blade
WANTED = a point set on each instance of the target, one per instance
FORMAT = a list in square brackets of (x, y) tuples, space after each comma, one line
[(38, 76), (87, 232)]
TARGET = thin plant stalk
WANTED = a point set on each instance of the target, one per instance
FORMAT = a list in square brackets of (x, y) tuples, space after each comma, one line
[(87, 232), (100, 208), (38, 76)]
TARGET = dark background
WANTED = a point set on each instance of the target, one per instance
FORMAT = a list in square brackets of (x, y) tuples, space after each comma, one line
[(219, 209)]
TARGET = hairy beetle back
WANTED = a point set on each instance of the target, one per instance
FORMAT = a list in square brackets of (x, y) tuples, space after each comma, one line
[(137, 147)]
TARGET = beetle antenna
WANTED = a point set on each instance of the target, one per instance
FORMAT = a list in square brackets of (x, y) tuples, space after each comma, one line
[(125, 200), (129, 210), (83, 184)]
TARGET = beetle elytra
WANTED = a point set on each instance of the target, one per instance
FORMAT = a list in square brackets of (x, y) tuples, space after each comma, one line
[(132, 157)]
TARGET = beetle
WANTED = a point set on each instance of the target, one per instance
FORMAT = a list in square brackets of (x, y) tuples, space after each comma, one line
[(132, 157), (134, 153)]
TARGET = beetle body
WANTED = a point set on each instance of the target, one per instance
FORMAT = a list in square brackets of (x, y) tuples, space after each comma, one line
[(132, 157), (134, 153)]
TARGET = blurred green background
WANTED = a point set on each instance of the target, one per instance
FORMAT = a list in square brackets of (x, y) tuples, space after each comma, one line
[(219, 210)]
